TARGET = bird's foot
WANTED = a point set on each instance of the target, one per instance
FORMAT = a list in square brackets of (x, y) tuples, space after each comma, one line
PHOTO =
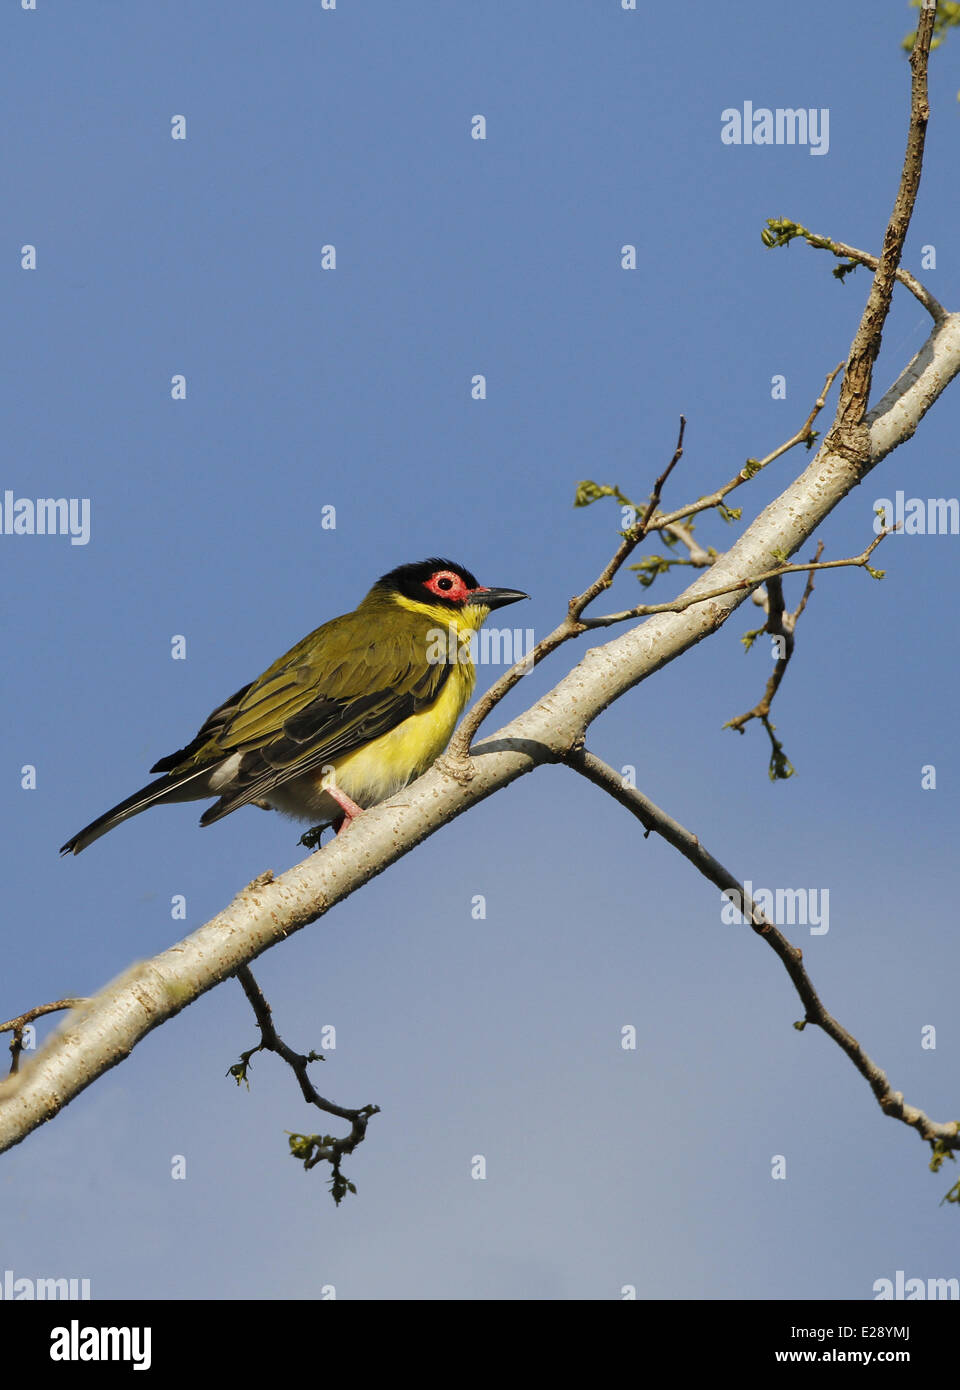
[(310, 839)]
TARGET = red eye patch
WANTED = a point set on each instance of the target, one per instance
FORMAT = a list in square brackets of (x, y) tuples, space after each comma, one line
[(447, 584)]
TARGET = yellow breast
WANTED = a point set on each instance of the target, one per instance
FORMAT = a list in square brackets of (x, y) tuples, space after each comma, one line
[(374, 772)]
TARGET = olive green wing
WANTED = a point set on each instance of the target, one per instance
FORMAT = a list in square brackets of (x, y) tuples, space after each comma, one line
[(336, 691)]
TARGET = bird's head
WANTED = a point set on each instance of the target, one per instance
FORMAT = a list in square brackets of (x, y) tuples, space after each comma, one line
[(444, 591)]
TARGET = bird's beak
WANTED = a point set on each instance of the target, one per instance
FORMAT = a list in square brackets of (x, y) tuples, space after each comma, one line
[(495, 598)]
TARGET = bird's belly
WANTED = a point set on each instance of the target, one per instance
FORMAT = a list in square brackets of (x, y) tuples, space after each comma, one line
[(372, 773)]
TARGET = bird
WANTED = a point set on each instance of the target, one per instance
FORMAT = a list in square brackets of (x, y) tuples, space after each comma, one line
[(351, 714)]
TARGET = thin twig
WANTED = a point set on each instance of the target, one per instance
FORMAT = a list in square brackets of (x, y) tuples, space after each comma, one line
[(804, 435), (780, 231), (699, 558), (933, 306), (312, 1149), (779, 624), (18, 1024), (679, 605), (631, 538)]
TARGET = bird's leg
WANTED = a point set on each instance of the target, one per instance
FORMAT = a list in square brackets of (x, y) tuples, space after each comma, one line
[(350, 808), (310, 839)]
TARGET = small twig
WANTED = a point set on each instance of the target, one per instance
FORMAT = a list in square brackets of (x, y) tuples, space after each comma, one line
[(804, 435), (312, 1149), (780, 624), (631, 538), (782, 230), (679, 605), (18, 1024), (791, 620), (699, 558), (942, 1135), (671, 523)]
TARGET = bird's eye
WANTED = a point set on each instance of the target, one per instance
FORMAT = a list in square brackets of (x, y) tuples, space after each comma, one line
[(445, 583)]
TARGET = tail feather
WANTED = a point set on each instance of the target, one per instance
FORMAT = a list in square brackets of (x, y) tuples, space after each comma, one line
[(164, 788)]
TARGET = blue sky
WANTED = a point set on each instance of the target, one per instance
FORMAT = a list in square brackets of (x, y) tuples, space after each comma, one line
[(309, 388)]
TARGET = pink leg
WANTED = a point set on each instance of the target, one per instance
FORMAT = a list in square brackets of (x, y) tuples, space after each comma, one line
[(350, 808)]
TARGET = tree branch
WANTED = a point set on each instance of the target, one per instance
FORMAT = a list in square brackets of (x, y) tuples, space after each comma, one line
[(779, 624), (18, 1024), (780, 231), (310, 1148), (804, 435), (855, 388), (678, 605), (591, 492), (892, 1103)]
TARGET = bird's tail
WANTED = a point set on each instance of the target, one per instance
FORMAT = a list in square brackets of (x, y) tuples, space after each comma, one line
[(167, 788)]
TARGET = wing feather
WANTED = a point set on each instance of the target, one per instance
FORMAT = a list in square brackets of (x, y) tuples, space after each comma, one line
[(338, 731), (337, 690)]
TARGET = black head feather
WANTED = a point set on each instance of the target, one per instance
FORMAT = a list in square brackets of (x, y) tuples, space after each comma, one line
[(410, 580)]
